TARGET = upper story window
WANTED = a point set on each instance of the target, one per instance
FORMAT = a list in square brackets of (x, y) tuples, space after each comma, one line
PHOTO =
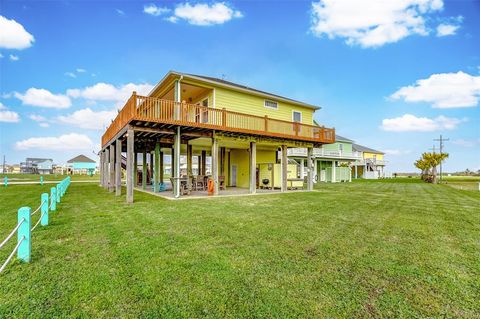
[(340, 147), (297, 116), (271, 104)]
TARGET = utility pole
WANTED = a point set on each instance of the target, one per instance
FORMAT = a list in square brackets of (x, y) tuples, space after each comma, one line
[(441, 140)]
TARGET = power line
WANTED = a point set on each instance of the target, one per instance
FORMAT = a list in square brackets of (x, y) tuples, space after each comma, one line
[(441, 140)]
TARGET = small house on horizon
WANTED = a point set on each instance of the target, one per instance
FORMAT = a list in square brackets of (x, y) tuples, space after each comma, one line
[(81, 164)]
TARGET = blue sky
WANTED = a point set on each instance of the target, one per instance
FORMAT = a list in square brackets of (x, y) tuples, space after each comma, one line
[(390, 75)]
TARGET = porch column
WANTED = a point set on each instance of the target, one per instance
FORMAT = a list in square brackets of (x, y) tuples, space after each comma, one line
[(176, 174), (189, 164), (309, 169), (144, 169), (130, 164), (111, 183), (135, 168), (177, 96), (106, 167), (215, 165), (162, 169), (302, 168), (156, 170), (350, 175), (253, 167), (118, 167), (284, 164), (334, 171), (204, 163), (315, 171), (101, 167), (199, 165), (172, 163), (150, 165)]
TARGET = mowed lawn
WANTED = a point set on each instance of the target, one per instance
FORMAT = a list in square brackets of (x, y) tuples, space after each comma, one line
[(358, 250)]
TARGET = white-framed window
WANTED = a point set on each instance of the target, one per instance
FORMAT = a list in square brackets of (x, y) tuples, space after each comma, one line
[(271, 104), (297, 116)]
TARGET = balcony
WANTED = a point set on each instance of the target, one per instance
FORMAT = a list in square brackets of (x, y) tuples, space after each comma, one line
[(320, 152), (167, 112)]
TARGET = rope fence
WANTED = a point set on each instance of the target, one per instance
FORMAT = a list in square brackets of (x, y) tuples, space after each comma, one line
[(24, 222)]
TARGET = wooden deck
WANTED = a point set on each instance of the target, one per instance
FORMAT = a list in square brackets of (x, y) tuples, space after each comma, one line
[(150, 109)]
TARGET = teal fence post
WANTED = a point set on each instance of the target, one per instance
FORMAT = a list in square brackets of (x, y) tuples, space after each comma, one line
[(5, 181), (44, 210), (41, 180), (53, 199), (24, 234), (58, 193)]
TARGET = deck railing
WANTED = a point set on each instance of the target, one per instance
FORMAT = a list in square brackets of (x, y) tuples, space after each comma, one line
[(152, 109)]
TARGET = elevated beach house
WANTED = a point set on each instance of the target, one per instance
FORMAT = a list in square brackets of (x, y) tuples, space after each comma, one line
[(245, 133), (371, 165), (331, 162)]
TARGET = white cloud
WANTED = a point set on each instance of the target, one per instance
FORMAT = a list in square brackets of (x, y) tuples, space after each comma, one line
[(88, 119), (13, 35), (37, 118), (204, 14), (43, 124), (120, 12), (1, 55), (396, 152), (14, 57), (444, 90), (467, 143), (153, 10), (9, 117), (2, 107), (44, 98), (446, 29), (108, 92), (72, 141), (371, 23), (411, 123), (71, 74), (79, 70)]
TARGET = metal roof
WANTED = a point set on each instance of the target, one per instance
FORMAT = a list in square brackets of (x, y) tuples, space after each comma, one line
[(81, 159), (361, 148)]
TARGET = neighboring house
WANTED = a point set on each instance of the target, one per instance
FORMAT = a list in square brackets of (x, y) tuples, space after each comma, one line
[(37, 166), (371, 165), (238, 127), (82, 165), (331, 163)]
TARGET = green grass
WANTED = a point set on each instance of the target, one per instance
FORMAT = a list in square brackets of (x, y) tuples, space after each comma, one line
[(351, 250)]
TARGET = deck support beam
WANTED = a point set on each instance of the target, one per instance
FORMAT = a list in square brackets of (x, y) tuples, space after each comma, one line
[(106, 168), (302, 168), (111, 175), (215, 165), (118, 167), (253, 167), (334, 171), (356, 171), (130, 164), (162, 169), (189, 164), (144, 169), (309, 168), (176, 171), (284, 168), (204, 163), (156, 170), (315, 171), (101, 167), (135, 167)]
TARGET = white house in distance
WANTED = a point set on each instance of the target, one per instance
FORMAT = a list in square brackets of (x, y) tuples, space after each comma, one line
[(82, 165)]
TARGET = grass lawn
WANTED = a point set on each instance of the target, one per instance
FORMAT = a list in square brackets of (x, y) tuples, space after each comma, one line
[(357, 250)]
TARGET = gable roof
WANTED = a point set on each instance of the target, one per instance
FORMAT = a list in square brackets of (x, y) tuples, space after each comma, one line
[(342, 139), (234, 86), (81, 159), (361, 148)]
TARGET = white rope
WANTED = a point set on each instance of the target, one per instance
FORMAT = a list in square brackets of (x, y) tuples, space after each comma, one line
[(11, 254), (38, 208), (12, 233), (38, 222)]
